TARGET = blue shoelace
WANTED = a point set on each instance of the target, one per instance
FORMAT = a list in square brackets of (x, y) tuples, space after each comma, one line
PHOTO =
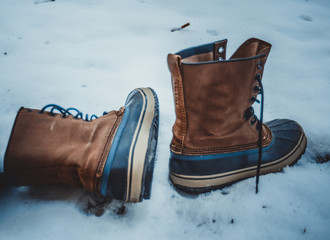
[(68, 111)]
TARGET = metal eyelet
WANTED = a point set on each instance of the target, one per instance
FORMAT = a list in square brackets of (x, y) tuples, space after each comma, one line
[(221, 50), (220, 58), (259, 65), (253, 121), (256, 89), (249, 112), (258, 77), (252, 99)]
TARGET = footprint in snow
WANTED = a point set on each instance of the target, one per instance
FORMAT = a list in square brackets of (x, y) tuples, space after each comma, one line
[(306, 18), (92, 204), (212, 32)]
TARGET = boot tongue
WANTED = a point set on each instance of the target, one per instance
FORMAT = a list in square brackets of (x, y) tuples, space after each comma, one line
[(251, 48)]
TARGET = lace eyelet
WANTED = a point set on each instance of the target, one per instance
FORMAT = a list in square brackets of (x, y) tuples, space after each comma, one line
[(258, 77), (65, 113), (259, 65), (256, 89), (221, 50), (220, 58), (252, 99), (248, 113), (253, 121)]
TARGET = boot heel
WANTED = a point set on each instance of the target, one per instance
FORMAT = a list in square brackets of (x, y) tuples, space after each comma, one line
[(129, 168)]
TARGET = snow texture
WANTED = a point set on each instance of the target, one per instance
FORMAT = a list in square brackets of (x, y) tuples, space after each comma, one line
[(90, 54)]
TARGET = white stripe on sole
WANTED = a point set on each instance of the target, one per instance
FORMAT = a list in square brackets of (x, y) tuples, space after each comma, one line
[(137, 154)]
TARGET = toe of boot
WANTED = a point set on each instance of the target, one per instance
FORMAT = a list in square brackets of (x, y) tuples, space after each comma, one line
[(129, 167), (289, 143)]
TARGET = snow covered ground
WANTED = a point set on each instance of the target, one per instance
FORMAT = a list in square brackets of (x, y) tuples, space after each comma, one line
[(90, 54)]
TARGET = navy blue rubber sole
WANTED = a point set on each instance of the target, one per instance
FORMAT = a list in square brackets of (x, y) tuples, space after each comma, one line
[(203, 173)]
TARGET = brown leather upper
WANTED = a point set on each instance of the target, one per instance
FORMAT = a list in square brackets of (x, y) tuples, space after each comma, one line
[(46, 149), (211, 97)]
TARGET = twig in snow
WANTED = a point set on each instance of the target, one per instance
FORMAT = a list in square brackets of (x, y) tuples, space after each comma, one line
[(43, 1), (179, 28)]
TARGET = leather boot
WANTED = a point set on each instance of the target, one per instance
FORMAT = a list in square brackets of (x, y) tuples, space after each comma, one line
[(217, 138), (112, 155)]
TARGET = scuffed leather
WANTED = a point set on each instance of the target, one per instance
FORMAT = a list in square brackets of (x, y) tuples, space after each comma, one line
[(45, 149), (215, 96)]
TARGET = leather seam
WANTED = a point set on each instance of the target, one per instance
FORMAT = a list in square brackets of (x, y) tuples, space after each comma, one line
[(216, 150), (100, 168), (184, 113)]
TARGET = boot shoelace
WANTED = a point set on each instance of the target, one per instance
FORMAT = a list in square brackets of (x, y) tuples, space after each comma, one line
[(250, 113), (66, 112)]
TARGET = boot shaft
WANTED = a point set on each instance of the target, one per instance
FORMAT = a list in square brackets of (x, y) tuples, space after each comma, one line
[(112, 155), (46, 147), (212, 95), (217, 138)]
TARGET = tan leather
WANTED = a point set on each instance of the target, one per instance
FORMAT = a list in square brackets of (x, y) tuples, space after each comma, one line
[(211, 97), (45, 149)]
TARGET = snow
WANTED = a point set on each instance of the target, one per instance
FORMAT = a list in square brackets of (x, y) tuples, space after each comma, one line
[(90, 54)]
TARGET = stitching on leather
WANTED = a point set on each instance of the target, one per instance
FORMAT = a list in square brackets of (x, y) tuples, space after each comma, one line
[(184, 113), (177, 82), (227, 149)]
